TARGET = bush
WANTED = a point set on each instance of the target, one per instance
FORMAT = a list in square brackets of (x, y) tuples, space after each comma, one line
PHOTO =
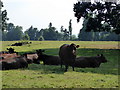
[(41, 38)]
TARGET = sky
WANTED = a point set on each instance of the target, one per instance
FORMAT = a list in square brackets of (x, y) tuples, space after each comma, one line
[(39, 13)]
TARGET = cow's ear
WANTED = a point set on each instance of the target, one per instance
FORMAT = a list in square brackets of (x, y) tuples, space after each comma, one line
[(36, 50), (77, 46), (7, 49), (98, 54), (72, 44)]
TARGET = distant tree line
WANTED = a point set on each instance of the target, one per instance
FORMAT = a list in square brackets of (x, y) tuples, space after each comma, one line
[(13, 32)]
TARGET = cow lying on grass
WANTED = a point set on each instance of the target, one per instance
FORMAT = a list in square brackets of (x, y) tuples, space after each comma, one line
[(8, 55), (13, 63), (48, 59), (20, 43), (91, 62), (11, 59), (32, 58)]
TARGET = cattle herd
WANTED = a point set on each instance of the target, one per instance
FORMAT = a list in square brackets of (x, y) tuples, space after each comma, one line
[(67, 56)]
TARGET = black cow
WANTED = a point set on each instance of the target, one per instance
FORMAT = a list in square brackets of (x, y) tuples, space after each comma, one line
[(11, 50), (92, 62), (67, 55), (17, 44), (48, 59)]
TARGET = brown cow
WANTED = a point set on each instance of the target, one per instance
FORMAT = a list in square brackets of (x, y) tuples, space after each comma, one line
[(67, 55), (32, 58), (14, 63), (92, 62), (8, 55)]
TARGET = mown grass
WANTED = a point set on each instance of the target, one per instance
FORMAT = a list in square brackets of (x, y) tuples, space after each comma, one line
[(40, 76)]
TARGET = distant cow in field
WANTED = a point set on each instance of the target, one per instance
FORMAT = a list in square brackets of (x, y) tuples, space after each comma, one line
[(14, 63), (32, 58), (92, 62), (67, 55), (48, 59), (11, 50), (17, 44)]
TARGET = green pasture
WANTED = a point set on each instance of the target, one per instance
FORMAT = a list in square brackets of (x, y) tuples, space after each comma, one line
[(46, 76)]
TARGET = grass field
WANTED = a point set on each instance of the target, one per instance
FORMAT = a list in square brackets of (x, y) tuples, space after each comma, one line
[(40, 76)]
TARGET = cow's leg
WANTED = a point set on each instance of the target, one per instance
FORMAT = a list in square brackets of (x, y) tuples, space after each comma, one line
[(61, 63), (73, 67), (66, 67)]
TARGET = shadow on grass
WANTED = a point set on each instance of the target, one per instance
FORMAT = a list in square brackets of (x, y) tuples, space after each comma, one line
[(111, 67), (46, 69)]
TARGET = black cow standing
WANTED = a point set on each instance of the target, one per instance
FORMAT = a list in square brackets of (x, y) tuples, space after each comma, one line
[(67, 54), (92, 61)]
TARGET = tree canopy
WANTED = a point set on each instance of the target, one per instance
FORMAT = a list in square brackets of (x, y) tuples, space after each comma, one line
[(99, 16), (3, 16)]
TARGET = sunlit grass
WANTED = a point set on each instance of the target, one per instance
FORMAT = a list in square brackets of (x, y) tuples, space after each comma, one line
[(57, 44), (42, 77)]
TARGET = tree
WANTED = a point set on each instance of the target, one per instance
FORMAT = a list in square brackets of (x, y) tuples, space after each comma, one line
[(3, 17), (70, 28), (4, 35), (98, 14), (33, 33), (87, 36), (96, 36), (14, 32), (50, 33), (65, 33), (74, 38), (41, 38), (18, 33), (26, 37)]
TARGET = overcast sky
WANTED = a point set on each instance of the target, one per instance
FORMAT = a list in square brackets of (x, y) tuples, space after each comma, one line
[(40, 13)]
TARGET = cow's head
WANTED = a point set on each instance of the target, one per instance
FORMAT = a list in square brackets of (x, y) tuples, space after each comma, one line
[(72, 47), (40, 51), (102, 58)]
